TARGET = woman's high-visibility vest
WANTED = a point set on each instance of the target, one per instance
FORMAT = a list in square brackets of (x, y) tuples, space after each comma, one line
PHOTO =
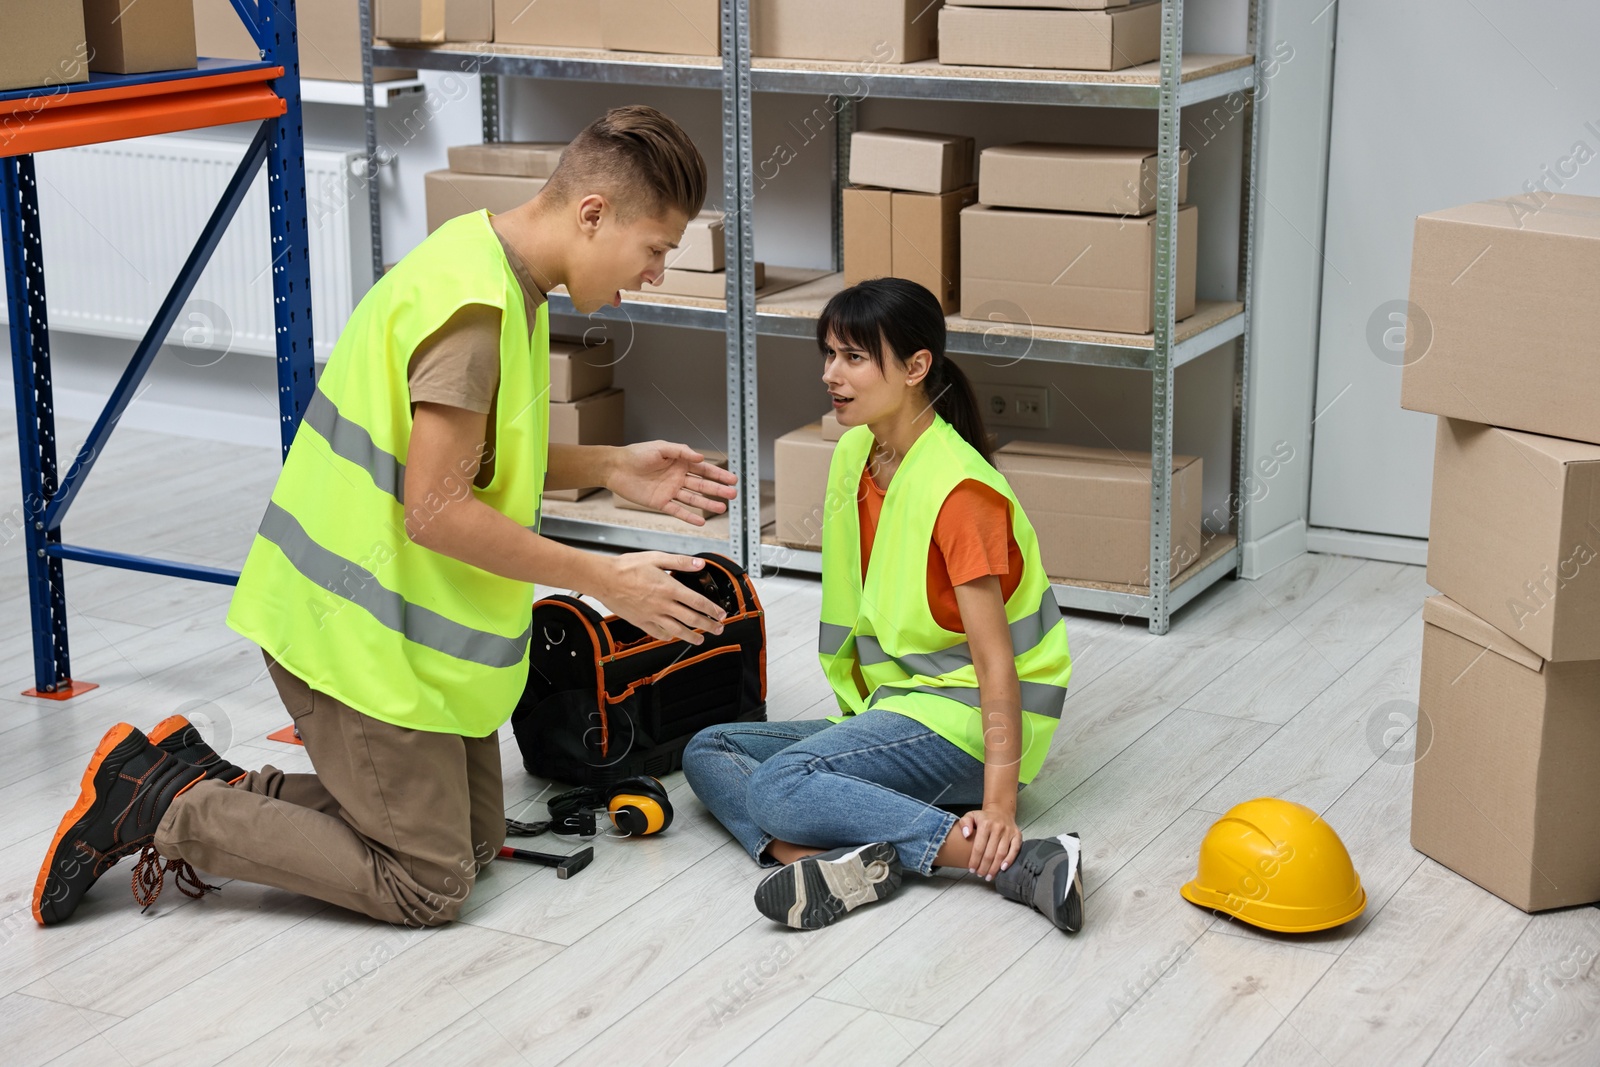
[(333, 588), (884, 627)]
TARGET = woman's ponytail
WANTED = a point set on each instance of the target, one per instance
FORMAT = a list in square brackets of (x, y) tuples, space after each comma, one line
[(952, 397), (909, 318)]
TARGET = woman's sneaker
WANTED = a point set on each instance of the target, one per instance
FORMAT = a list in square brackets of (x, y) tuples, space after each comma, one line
[(1047, 877), (811, 893)]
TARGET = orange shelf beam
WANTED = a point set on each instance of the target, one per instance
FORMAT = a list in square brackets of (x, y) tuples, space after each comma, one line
[(93, 116)]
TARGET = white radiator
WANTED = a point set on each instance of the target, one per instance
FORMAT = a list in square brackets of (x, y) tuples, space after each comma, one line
[(119, 219)]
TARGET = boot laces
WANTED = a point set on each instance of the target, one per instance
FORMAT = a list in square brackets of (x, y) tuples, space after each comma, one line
[(150, 877)]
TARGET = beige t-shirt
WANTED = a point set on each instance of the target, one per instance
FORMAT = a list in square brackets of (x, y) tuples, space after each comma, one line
[(459, 363)]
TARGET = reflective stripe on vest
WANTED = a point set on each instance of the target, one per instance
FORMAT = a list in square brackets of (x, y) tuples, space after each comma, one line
[(350, 440), (831, 638), (348, 579), (1026, 632)]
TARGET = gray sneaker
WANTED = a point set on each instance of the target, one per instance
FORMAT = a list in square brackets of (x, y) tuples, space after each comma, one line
[(811, 893), (1046, 876)]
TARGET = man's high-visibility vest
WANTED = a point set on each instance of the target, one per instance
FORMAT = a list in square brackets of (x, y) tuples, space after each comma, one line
[(333, 588)]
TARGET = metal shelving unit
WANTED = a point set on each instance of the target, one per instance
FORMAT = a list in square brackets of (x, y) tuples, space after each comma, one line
[(491, 63), (111, 107), (1166, 87)]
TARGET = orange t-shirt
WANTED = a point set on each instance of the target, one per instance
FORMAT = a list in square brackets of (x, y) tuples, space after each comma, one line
[(971, 539)]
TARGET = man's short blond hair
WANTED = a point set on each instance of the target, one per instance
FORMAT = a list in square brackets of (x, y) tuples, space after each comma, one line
[(639, 158)]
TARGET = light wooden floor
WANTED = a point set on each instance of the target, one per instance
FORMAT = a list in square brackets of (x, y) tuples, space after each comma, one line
[(655, 954)]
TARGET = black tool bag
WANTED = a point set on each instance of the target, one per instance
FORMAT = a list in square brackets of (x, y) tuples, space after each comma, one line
[(606, 701)]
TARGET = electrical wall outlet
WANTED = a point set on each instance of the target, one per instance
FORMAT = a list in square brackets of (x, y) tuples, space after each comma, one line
[(1014, 405)]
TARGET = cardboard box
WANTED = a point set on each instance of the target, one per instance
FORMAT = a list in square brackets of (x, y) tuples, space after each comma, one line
[(1515, 534), (517, 159), (927, 241), (590, 420), (1054, 40), (1507, 743), (1090, 272), (1060, 177), (851, 31), (578, 370), (1508, 337), (678, 27), (868, 234), (705, 284), (910, 160), (1090, 508), (44, 44), (714, 457), (433, 21), (329, 33), (449, 194), (703, 247), (563, 23), (832, 429), (138, 36), (916, 236), (800, 478)]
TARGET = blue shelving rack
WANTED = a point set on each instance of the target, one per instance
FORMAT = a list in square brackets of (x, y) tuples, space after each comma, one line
[(113, 107)]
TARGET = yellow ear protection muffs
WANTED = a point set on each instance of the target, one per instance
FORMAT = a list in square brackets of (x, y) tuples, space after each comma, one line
[(637, 806)]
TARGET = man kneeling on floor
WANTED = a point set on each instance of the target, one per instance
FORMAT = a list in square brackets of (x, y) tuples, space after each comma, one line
[(391, 582)]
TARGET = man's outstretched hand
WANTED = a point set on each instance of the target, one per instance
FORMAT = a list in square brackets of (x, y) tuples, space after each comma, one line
[(674, 479)]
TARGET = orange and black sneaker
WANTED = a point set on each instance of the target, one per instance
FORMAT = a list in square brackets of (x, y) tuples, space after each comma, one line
[(178, 736), (127, 788)]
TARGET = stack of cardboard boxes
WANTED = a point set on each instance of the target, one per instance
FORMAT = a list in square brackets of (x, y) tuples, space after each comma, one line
[(682, 27), (1054, 34), (48, 43), (851, 31), (584, 408), (329, 33), (902, 210), (1065, 235), (1502, 336), (697, 267), (494, 176), (433, 21), (1090, 508), (865, 31)]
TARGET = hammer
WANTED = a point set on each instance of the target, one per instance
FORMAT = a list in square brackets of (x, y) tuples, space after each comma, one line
[(566, 866)]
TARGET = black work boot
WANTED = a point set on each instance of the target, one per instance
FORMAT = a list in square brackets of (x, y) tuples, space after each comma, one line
[(127, 788), (1046, 876), (178, 736)]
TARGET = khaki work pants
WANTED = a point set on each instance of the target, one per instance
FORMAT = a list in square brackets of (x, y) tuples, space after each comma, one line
[(395, 823)]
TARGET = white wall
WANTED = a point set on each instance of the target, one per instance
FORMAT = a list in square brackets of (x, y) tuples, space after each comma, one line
[(1296, 43), (1436, 103)]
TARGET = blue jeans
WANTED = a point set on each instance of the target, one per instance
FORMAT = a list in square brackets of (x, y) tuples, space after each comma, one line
[(874, 777)]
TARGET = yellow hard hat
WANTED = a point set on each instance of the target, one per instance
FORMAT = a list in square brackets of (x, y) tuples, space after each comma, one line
[(1277, 865)]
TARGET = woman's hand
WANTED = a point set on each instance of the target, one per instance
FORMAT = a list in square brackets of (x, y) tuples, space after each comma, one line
[(996, 839), (674, 479)]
